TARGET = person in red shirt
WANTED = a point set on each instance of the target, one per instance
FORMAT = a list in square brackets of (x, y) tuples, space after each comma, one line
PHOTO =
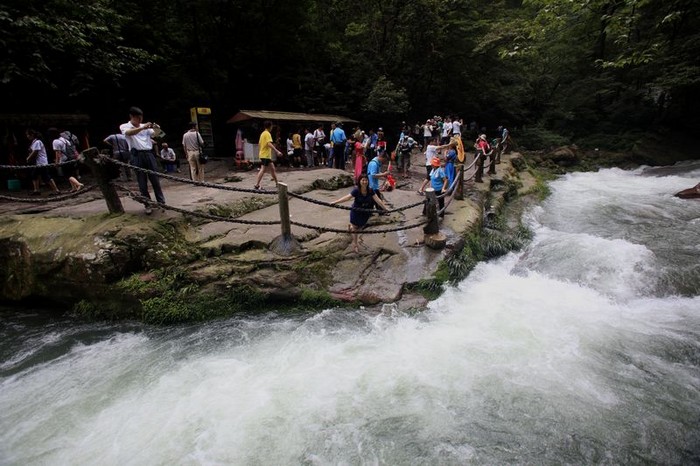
[(483, 150)]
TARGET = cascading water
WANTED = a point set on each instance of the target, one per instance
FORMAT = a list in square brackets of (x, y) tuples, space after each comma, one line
[(583, 348)]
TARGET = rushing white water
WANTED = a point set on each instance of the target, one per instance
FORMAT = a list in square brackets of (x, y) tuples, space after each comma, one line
[(584, 348)]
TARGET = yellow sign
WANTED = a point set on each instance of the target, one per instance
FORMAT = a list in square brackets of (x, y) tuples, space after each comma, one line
[(203, 111)]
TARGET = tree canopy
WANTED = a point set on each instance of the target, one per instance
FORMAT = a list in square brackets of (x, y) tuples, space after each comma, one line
[(570, 68)]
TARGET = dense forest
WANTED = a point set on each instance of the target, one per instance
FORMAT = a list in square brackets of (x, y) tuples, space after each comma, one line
[(593, 72)]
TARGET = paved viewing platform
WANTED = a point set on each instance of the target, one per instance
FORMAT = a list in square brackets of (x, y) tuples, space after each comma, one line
[(378, 273)]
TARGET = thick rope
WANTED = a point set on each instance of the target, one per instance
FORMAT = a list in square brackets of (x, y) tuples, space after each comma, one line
[(361, 232), (29, 167), (218, 218), (51, 198), (185, 180)]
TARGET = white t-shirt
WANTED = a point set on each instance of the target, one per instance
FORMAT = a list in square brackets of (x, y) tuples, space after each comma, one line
[(319, 136), (430, 153), (41, 158), (446, 129), (59, 145), (309, 141), (456, 127), (140, 140), (290, 147), (427, 131), (167, 154)]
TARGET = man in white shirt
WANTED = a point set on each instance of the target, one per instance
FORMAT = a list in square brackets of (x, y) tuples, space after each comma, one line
[(431, 152), (309, 144), (138, 136), (61, 150), (167, 154), (457, 127), (446, 131), (192, 143), (320, 139)]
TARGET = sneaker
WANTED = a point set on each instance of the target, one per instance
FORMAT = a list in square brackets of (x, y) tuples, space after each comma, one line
[(149, 211)]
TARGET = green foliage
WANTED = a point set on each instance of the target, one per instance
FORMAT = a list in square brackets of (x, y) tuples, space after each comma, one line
[(428, 288), (537, 136), (386, 98), (560, 69)]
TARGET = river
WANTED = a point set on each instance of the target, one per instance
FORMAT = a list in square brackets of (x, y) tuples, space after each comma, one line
[(582, 348)]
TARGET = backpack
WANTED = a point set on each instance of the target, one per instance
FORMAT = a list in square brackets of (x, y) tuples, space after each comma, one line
[(70, 151)]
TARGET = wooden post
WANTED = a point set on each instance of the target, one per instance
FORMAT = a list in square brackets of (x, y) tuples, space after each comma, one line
[(431, 212), (432, 236), (285, 244), (459, 194), (101, 171)]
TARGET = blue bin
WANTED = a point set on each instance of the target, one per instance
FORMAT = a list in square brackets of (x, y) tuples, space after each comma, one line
[(14, 185)]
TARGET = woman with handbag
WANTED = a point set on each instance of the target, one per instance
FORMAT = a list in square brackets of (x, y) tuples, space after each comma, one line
[(192, 143)]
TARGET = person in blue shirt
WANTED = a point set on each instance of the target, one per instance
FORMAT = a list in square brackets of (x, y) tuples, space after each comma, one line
[(450, 159), (438, 181), (338, 140)]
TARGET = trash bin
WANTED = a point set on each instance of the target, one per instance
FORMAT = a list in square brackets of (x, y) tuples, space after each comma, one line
[(14, 185)]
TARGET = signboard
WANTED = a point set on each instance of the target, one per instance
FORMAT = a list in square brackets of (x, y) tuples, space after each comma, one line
[(202, 116)]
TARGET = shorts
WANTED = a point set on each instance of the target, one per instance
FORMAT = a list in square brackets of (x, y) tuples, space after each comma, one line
[(265, 162), (41, 171)]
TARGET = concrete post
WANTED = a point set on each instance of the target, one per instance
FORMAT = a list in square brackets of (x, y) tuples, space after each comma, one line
[(101, 170), (285, 244)]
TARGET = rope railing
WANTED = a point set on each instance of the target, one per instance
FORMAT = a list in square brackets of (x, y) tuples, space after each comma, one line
[(216, 218), (30, 167), (101, 158), (51, 198), (178, 179)]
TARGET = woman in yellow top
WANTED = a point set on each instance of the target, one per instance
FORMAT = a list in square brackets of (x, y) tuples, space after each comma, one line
[(266, 147)]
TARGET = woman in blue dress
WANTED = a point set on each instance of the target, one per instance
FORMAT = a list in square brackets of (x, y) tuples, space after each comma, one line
[(364, 198)]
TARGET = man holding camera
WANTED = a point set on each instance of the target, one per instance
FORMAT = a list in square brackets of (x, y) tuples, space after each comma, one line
[(139, 137)]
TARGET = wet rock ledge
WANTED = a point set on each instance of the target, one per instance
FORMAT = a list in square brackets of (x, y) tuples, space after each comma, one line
[(171, 267)]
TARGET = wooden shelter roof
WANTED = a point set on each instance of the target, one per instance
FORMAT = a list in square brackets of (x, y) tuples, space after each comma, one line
[(245, 115)]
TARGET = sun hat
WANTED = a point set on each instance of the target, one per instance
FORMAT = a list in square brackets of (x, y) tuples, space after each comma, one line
[(482, 136), (435, 162)]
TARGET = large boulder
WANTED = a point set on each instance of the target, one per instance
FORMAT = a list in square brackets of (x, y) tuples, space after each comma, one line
[(565, 156)]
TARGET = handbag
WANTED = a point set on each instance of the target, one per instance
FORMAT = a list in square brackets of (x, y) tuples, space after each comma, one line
[(203, 158)]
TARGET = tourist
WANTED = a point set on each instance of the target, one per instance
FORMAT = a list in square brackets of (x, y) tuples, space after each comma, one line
[(359, 159), (167, 155), (192, 143), (298, 148), (64, 151), (309, 145), (457, 127), (483, 150), (319, 141), (37, 156), (446, 131), (504, 143), (364, 198), (120, 151), (403, 157), (338, 139), (266, 147), (450, 159), (438, 181), (431, 152), (138, 137)]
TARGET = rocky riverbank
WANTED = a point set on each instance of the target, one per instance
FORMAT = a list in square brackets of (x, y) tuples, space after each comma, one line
[(170, 266)]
